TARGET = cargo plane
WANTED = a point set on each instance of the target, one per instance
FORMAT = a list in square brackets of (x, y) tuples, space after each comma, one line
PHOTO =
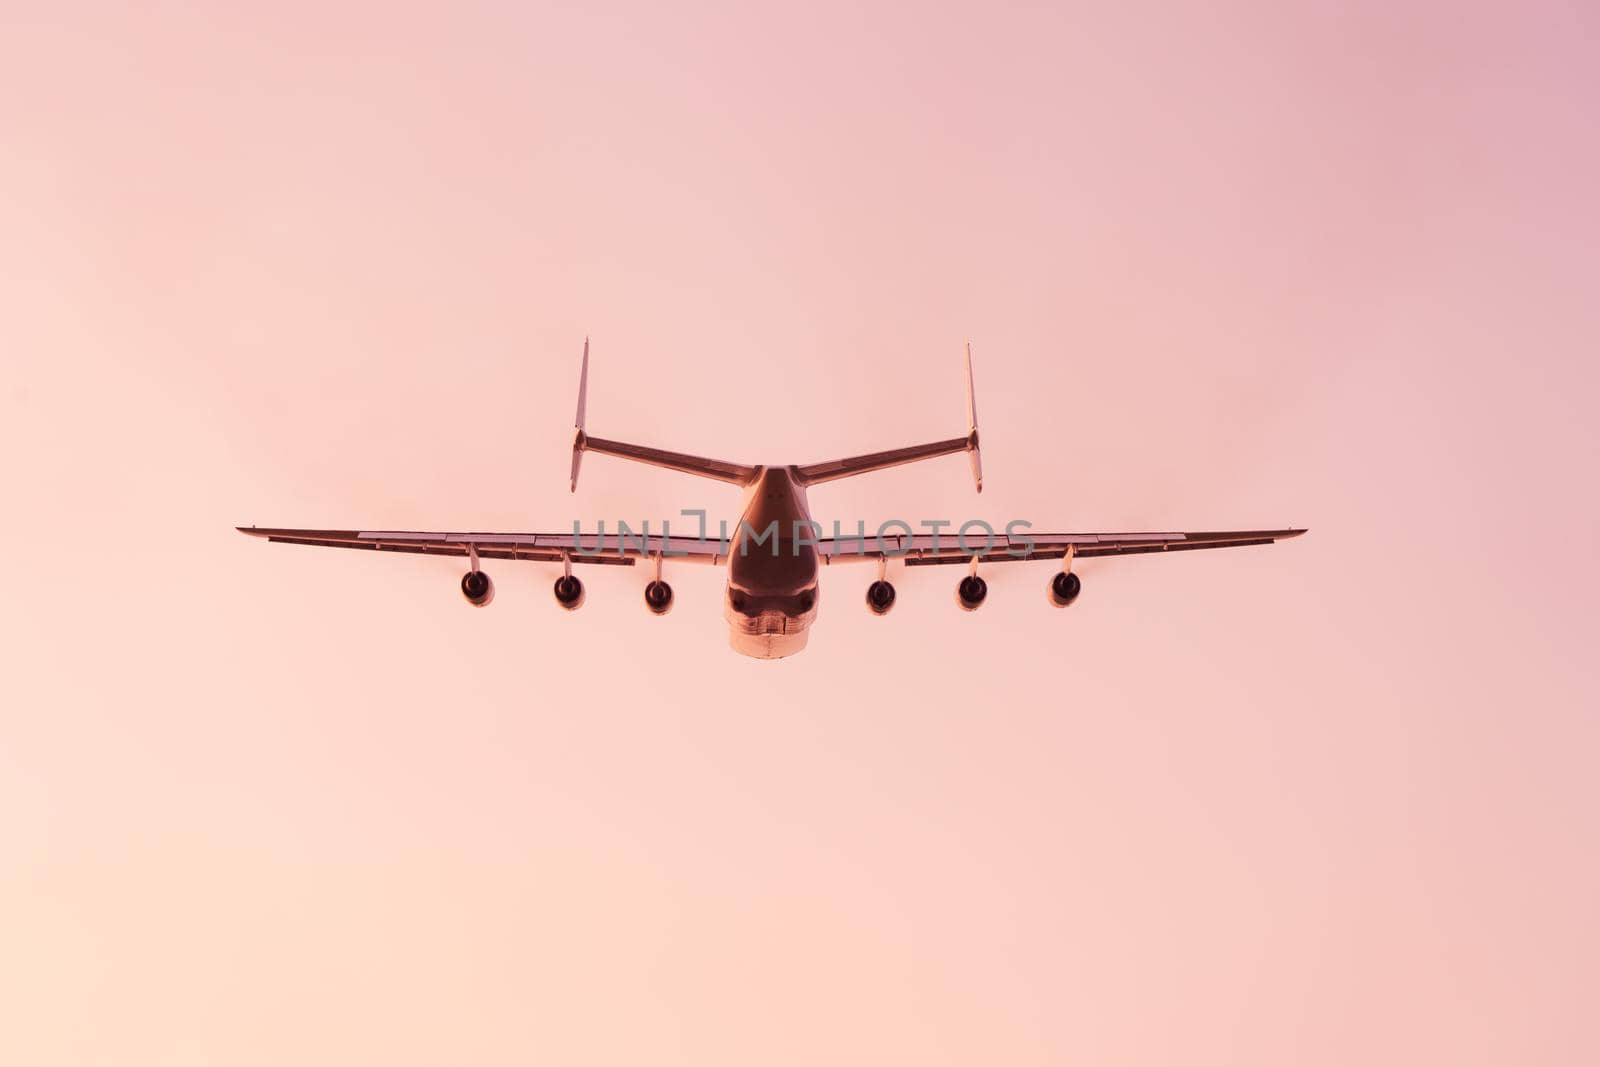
[(774, 556)]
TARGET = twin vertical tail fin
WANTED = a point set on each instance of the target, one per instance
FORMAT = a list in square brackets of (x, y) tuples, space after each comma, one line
[(579, 441), (972, 427)]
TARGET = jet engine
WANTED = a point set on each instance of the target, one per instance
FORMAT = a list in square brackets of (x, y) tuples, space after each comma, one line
[(477, 587), (658, 597), (1064, 589), (971, 591), (569, 592), (880, 597)]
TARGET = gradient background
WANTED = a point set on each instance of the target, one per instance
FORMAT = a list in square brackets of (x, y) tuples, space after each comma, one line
[(1330, 802)]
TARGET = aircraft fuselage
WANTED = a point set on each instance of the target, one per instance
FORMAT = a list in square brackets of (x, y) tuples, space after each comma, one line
[(771, 596)]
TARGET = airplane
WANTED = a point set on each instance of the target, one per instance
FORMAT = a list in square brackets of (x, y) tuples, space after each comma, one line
[(772, 559)]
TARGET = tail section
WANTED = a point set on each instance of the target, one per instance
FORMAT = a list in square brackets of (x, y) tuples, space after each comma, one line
[(736, 473), (812, 473)]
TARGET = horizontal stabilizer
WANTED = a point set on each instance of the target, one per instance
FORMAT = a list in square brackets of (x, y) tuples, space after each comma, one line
[(850, 466), (721, 470)]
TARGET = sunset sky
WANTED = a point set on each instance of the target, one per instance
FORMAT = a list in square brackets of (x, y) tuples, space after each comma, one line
[(1329, 802)]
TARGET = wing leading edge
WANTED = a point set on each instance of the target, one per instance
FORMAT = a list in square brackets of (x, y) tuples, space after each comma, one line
[(609, 548), (925, 549), (624, 549)]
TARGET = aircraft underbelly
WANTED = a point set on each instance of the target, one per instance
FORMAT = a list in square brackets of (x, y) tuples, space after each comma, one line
[(768, 644)]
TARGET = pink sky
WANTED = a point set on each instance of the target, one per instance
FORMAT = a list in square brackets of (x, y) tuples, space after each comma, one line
[(1329, 802)]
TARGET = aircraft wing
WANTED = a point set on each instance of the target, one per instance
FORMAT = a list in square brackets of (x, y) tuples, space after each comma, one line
[(549, 547), (922, 549)]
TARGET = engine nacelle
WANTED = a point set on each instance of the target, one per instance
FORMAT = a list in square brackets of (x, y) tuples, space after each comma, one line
[(658, 597), (880, 597), (970, 592), (1064, 589), (477, 587), (569, 592)]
